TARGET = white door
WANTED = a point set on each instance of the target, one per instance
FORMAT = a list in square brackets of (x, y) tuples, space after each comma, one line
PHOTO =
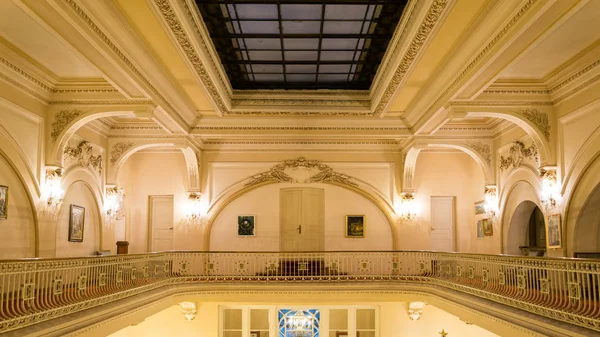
[(442, 224), (302, 219), (160, 223)]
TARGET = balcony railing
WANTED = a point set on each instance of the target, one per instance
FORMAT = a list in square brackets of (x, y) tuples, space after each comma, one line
[(35, 290)]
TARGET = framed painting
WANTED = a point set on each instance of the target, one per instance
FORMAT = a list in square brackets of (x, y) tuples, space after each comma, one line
[(76, 223), (355, 226), (553, 232), (480, 233), (245, 225), (480, 207), (488, 229), (3, 202), (254, 333)]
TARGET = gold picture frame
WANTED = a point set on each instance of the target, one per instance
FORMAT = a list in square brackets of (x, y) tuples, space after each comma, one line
[(76, 223), (3, 202), (553, 231), (355, 226), (488, 227)]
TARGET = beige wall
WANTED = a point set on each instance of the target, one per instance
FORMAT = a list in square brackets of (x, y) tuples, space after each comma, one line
[(447, 174), (80, 194), (18, 230), (263, 202)]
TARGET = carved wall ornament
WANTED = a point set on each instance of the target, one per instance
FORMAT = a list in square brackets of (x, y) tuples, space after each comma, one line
[(61, 120), (118, 149), (277, 174), (518, 152), (540, 119), (484, 150), (84, 154)]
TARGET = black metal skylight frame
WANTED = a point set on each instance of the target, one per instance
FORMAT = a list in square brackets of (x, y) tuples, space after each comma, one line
[(247, 69)]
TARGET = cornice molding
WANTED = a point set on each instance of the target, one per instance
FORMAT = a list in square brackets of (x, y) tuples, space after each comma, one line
[(302, 128), (102, 102), (427, 26), (498, 103)]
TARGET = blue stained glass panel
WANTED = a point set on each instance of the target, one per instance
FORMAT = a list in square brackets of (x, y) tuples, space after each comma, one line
[(299, 323)]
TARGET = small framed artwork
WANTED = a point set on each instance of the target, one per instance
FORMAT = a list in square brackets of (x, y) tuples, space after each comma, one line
[(480, 233), (254, 333), (76, 223), (3, 202), (488, 229), (553, 232), (480, 207), (355, 226), (245, 226)]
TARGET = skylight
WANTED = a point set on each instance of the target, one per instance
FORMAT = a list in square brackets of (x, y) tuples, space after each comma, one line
[(301, 44)]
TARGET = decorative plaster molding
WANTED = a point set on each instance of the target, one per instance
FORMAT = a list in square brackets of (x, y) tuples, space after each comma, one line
[(33, 93), (296, 102), (83, 153), (25, 74), (498, 103), (446, 94), (298, 142), (61, 120), (484, 150), (287, 94), (325, 174), (102, 102), (577, 89), (575, 76), (540, 119), (298, 113), (518, 152), (118, 149), (186, 45), (507, 91), (431, 19), (303, 128)]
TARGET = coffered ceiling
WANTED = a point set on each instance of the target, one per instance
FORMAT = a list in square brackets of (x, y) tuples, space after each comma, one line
[(442, 54)]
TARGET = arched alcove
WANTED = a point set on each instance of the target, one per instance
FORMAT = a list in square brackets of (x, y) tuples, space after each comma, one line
[(79, 193), (525, 230), (264, 203), (587, 233)]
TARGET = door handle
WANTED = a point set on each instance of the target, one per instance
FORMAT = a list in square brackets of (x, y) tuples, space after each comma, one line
[(431, 228), (171, 228), (299, 228)]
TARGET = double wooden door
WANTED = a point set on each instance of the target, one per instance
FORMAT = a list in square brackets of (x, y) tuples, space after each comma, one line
[(302, 217)]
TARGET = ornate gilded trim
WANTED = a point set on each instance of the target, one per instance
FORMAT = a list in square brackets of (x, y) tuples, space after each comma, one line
[(433, 15), (101, 102), (83, 153), (295, 102), (518, 152), (540, 119), (277, 174), (118, 149), (61, 120), (484, 150)]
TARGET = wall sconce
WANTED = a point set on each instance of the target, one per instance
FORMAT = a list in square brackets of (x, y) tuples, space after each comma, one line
[(415, 310), (407, 209), (113, 202), (194, 209), (550, 196), (52, 192), (491, 202), (188, 309)]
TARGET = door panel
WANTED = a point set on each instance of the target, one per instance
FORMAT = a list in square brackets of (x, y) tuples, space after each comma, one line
[(160, 219), (442, 224), (302, 219)]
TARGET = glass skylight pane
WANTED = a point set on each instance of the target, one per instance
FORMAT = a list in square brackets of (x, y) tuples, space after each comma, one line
[(268, 77), (338, 44), (334, 68), (361, 44), (370, 12), (301, 78), (348, 12), (333, 78), (341, 27), (301, 55), (267, 68), (337, 55), (231, 11), (263, 43), (241, 44), (265, 55), (256, 11), (301, 68), (236, 27), (301, 27), (353, 69), (260, 27), (301, 43), (301, 12)]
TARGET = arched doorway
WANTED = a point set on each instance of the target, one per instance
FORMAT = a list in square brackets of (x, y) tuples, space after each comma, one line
[(527, 233), (587, 233)]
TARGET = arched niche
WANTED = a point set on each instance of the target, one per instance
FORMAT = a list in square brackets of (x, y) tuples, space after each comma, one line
[(277, 175), (20, 231), (81, 189), (587, 227), (264, 203), (518, 200)]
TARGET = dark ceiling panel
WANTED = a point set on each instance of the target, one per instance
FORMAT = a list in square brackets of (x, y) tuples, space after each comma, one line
[(301, 44)]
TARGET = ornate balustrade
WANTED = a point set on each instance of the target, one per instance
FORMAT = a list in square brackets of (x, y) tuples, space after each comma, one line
[(35, 290)]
